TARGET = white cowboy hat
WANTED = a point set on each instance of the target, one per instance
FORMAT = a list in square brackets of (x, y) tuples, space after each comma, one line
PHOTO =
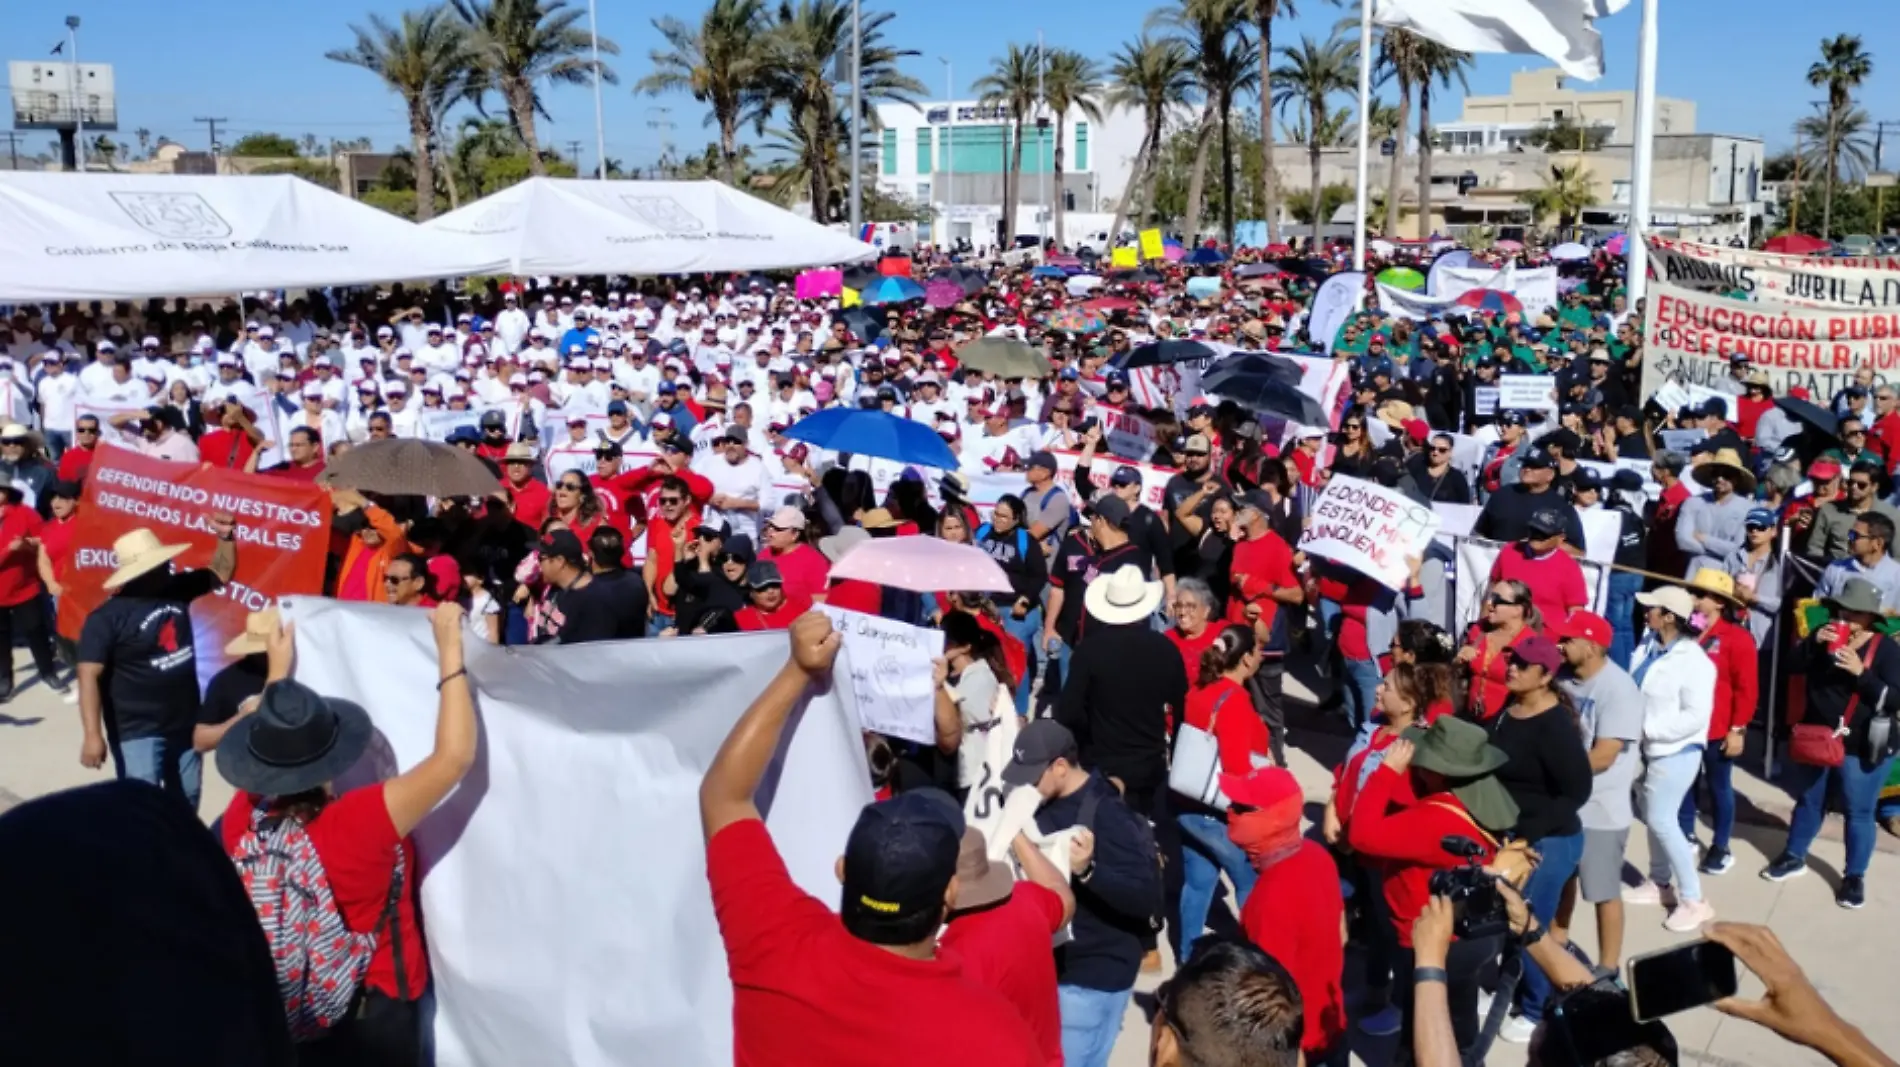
[(138, 552), (1122, 597)]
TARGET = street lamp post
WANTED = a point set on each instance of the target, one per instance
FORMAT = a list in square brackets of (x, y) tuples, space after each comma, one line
[(949, 150), (1042, 147), (857, 119), (600, 125), (79, 96)]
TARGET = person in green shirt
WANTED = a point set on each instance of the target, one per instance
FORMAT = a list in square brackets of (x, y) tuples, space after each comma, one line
[(1573, 315)]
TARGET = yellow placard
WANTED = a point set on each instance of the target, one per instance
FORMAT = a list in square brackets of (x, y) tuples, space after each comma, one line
[(1151, 244), (1124, 257), (849, 298)]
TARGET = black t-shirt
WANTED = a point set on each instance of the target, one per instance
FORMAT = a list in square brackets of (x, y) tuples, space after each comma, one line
[(1507, 515), (1146, 531), (231, 687), (609, 608), (150, 687), (700, 594), (1070, 571)]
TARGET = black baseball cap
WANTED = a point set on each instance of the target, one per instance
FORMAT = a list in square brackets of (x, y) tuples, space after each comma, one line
[(710, 530), (1125, 475), (607, 450), (1110, 508), (1038, 745), (898, 863), (494, 420), (1585, 478), (1538, 458), (563, 544), (1546, 523), (763, 573), (1042, 458), (1256, 499), (1511, 418)]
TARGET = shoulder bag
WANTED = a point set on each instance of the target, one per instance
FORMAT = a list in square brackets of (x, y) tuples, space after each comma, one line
[(1194, 772), (1814, 745)]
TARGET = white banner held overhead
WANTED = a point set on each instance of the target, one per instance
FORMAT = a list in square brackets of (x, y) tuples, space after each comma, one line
[(1369, 528), (889, 667), (550, 939), (1861, 283)]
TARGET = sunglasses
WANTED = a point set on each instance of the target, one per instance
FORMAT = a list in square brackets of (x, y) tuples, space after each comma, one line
[(572, 487), (1860, 483), (392, 579), (1440, 451), (89, 431), (671, 501), (1501, 602)]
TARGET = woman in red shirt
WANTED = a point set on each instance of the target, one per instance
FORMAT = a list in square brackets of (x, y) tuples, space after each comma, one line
[(1730, 645), (772, 608), (1509, 617), (287, 804), (56, 561), (1195, 615), (1296, 913), (1219, 704)]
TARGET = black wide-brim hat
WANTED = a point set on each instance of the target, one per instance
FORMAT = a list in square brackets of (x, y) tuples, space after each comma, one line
[(294, 742)]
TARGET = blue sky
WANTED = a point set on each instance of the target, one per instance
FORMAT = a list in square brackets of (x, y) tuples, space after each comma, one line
[(261, 66)]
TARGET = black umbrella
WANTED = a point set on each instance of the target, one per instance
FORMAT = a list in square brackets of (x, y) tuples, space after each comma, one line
[(1085, 252), (866, 324), (1137, 274), (860, 277), (1155, 353), (1810, 414), (1264, 390)]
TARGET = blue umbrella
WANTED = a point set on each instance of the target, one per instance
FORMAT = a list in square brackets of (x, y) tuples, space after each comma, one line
[(1205, 257), (874, 433), (892, 290), (1048, 272)]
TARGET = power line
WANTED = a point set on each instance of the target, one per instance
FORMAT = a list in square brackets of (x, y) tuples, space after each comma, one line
[(213, 124)]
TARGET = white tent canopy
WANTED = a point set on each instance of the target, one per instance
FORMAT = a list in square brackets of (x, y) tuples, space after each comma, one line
[(128, 236), (569, 226)]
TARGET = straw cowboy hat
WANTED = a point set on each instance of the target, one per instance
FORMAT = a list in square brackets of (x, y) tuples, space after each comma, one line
[(1715, 583), (1727, 464), (1395, 413), (258, 626), (1122, 597), (296, 741), (138, 552), (13, 431)]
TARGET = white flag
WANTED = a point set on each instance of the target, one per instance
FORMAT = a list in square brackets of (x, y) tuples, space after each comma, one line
[(1559, 30)]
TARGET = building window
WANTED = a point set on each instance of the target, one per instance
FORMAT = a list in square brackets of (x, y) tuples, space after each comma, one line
[(1081, 146), (923, 192), (889, 163), (923, 151)]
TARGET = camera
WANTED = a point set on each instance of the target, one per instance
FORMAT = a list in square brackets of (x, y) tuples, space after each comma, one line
[(1477, 907)]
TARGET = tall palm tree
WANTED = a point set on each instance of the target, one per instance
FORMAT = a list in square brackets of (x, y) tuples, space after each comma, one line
[(1310, 74), (1842, 68), (1153, 75), (1443, 65), (1569, 189), (519, 44), (806, 40), (145, 141), (721, 61), (1011, 85), (1398, 61), (1853, 152), (1264, 12), (1070, 80), (425, 59), (1214, 32)]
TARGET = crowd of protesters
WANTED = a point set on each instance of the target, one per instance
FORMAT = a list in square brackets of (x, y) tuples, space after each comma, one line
[(646, 488)]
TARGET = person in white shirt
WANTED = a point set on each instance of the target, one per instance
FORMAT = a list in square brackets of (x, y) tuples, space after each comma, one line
[(998, 447), (738, 479), (261, 356), (327, 424), (927, 401), (511, 326), (402, 417), (58, 394), (411, 332), (438, 354), (297, 330), (104, 370)]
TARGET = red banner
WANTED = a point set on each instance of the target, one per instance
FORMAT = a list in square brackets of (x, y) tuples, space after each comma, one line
[(282, 537)]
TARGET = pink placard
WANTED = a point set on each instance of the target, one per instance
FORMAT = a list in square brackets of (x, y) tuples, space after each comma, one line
[(813, 284)]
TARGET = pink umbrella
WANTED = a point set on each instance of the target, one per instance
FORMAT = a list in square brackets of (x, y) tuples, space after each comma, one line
[(943, 293), (923, 565), (1618, 244)]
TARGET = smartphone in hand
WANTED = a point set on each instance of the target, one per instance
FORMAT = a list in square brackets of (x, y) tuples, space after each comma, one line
[(1677, 979)]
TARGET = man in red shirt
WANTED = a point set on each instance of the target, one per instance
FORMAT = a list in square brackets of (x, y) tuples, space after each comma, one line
[(231, 444), (675, 516), (528, 497), (772, 608), (1260, 579), (1554, 576), (1000, 929), (75, 462), (20, 590), (845, 989), (306, 457)]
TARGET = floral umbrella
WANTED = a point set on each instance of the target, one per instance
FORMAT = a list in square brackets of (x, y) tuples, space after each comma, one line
[(1077, 320), (943, 293)]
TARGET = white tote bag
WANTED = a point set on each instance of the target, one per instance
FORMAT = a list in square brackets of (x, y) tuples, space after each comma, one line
[(1195, 770)]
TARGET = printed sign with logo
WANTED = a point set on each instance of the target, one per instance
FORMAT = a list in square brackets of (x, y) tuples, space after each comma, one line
[(1125, 434)]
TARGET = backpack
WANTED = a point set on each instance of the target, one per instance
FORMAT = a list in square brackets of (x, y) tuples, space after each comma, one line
[(320, 961), (1144, 842)]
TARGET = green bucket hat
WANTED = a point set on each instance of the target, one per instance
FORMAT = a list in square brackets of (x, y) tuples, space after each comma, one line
[(1463, 753), (1857, 594)]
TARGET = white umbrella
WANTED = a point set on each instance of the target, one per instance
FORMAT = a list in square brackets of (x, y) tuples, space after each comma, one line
[(1570, 250), (1082, 283)]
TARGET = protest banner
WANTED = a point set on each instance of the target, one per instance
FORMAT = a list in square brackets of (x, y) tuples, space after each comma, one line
[(438, 423), (533, 922), (1691, 337), (1527, 392), (554, 423), (1417, 307), (888, 665), (570, 457), (283, 535), (1151, 246), (1369, 528), (1124, 433), (1484, 401), (1680, 440), (818, 283), (1333, 303), (1124, 258), (1535, 289), (1864, 283)]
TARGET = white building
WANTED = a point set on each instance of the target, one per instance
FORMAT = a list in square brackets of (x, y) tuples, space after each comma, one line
[(954, 157)]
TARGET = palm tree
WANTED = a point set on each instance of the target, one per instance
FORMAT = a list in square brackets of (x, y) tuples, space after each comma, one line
[(806, 40), (1215, 35), (145, 142), (1853, 154), (518, 44), (1011, 85), (1070, 80), (1154, 75), (1399, 61), (721, 61), (1310, 74), (424, 59), (1841, 70), (1569, 189), (1437, 63), (1264, 12)]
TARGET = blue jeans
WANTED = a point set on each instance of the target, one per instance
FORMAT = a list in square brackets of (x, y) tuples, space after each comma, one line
[(57, 442), (1545, 887), (1718, 776), (1860, 784), (1620, 609), (1359, 687), (1028, 630), (1206, 851), (657, 623), (1091, 1021), (1666, 781), (167, 762)]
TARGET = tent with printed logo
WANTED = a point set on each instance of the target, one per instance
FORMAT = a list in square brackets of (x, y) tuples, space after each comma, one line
[(571, 226), (132, 236)]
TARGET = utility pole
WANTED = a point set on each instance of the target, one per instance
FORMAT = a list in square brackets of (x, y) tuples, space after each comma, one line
[(574, 153), (13, 148), (600, 124), (857, 120), (661, 119), (944, 240), (215, 147), (79, 91), (1042, 148)]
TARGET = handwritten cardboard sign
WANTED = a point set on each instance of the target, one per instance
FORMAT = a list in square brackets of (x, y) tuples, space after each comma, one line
[(888, 667), (1368, 528)]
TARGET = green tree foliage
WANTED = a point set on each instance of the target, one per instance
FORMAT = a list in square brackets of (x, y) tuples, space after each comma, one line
[(266, 145), (315, 171), (1565, 135), (1333, 196)]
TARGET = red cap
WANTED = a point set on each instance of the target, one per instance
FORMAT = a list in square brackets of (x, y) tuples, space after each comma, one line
[(1263, 788), (1824, 469), (1585, 626), (1418, 430), (1800, 392)]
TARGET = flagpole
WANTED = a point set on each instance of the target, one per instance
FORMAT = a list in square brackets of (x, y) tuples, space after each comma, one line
[(1365, 121), (79, 99), (1642, 156)]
